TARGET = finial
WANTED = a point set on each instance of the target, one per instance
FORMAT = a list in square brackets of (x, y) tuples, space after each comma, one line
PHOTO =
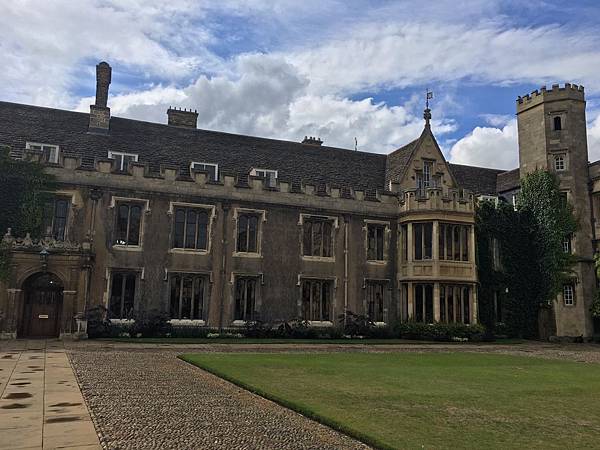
[(427, 112)]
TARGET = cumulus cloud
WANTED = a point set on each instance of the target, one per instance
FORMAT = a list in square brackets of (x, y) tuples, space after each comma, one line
[(488, 147), (594, 138)]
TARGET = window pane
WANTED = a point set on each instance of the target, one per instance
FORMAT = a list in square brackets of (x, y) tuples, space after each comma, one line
[(316, 301), (174, 297), (306, 289), (466, 311), (371, 244), (116, 296), (428, 232), (419, 303), (442, 304), (60, 219), (456, 233), (198, 305), (129, 296), (418, 240), (242, 242), (429, 303), (186, 297), (122, 224), (190, 229), (202, 242), (449, 252), (239, 299), (325, 293), (307, 239), (327, 243), (250, 293), (179, 228), (134, 225), (465, 243), (317, 239), (380, 238), (450, 303), (252, 234), (118, 162)]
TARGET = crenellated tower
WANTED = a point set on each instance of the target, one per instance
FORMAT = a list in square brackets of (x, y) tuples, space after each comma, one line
[(552, 136)]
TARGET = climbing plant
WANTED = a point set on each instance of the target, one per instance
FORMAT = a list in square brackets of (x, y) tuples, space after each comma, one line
[(532, 262), (24, 190)]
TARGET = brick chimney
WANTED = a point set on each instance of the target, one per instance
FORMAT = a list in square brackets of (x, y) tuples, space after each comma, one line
[(312, 141), (182, 117), (99, 112)]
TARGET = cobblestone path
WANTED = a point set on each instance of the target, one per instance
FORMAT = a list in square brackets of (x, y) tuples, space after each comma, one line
[(152, 400)]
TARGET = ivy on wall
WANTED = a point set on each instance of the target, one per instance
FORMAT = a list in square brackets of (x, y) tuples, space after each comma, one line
[(532, 262), (24, 190)]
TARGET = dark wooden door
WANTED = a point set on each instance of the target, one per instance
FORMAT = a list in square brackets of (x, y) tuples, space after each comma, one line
[(43, 306)]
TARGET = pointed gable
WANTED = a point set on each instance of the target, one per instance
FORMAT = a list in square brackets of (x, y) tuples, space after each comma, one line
[(416, 160)]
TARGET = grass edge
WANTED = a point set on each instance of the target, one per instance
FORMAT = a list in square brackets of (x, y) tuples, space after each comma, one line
[(331, 423)]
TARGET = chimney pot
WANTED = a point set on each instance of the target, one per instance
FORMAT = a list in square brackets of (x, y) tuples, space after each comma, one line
[(99, 111), (312, 141)]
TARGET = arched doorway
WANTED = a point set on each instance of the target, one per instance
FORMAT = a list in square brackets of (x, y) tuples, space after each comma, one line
[(43, 306)]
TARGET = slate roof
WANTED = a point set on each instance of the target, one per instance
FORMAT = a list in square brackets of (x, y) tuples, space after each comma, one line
[(479, 180), (507, 181), (235, 154), (158, 144)]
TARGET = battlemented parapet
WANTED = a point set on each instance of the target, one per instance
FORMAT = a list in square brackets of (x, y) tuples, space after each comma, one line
[(567, 91)]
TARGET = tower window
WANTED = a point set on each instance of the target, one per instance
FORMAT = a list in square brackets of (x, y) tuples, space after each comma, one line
[(568, 295), (557, 123), (559, 163)]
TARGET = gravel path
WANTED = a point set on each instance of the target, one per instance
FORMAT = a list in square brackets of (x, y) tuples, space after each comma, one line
[(152, 400)]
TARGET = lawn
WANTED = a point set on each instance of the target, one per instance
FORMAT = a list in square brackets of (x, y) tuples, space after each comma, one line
[(429, 400)]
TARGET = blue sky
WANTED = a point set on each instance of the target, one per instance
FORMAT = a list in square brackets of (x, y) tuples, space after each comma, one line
[(334, 69)]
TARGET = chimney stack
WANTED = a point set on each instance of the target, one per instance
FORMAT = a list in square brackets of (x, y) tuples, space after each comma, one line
[(99, 112), (182, 117), (312, 141)]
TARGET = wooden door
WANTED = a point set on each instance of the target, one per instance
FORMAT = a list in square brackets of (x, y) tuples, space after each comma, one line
[(44, 297)]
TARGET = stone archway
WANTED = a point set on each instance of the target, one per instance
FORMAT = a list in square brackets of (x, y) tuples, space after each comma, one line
[(43, 295)]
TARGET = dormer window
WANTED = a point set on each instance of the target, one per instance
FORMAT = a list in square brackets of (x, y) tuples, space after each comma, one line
[(50, 151), (211, 168), (269, 174), (557, 121), (122, 160)]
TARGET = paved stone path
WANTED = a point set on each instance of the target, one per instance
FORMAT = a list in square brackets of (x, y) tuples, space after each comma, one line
[(152, 400), (41, 406)]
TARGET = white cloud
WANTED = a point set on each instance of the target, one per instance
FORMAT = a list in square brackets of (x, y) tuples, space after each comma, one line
[(593, 135), (488, 147)]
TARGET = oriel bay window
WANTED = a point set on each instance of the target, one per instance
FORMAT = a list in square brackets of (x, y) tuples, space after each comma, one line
[(186, 299), (454, 242), (245, 298), (56, 213), (375, 300), (422, 239), (122, 295), (129, 220), (316, 300), (375, 242), (454, 303), (317, 239), (191, 228), (423, 306), (247, 233)]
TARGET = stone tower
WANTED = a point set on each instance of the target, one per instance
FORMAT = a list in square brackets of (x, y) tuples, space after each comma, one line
[(552, 136)]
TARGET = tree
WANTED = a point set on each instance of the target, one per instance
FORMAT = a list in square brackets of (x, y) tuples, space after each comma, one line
[(24, 190)]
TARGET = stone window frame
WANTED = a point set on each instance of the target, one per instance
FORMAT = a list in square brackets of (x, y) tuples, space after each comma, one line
[(258, 295), (560, 162), (386, 240), (423, 241), (207, 275), (211, 217), (387, 297), (121, 168), (335, 226), (262, 218), (140, 276), (563, 120), (462, 240), (75, 204), (54, 150), (332, 310), (201, 163), (568, 300), (114, 201), (461, 304)]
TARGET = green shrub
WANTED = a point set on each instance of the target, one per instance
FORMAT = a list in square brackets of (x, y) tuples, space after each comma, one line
[(439, 331), (190, 331), (151, 323), (98, 325)]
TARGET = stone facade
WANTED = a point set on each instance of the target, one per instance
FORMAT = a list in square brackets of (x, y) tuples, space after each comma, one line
[(219, 230)]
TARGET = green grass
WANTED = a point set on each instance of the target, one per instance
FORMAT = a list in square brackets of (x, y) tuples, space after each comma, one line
[(429, 400), (295, 341)]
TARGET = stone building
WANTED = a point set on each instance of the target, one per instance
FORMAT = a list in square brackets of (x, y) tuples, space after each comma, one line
[(218, 229)]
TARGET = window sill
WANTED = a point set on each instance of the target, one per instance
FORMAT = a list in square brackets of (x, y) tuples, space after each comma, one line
[(122, 321), (127, 248), (377, 262), (247, 255), (187, 322), (191, 251), (319, 258)]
